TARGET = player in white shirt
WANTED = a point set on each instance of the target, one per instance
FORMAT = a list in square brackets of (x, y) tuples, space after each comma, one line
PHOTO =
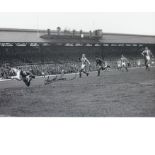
[(17, 73), (147, 54), (124, 62), (84, 64), (21, 75)]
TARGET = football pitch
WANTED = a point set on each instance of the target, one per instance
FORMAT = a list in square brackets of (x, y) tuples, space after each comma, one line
[(114, 93)]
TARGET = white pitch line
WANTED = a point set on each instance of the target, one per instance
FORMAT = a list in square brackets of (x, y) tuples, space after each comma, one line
[(1, 80)]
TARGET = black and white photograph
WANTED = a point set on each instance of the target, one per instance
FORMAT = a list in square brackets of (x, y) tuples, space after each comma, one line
[(77, 64), (77, 77)]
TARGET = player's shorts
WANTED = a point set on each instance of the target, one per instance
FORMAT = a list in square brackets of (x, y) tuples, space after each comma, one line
[(83, 66), (123, 64), (148, 58)]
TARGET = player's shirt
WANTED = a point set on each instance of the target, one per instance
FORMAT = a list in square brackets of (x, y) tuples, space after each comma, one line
[(17, 74), (147, 55), (84, 61), (124, 61), (99, 62)]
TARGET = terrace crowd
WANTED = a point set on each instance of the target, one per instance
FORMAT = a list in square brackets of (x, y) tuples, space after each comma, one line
[(56, 68)]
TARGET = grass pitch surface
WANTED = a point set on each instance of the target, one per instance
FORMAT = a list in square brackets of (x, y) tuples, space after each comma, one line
[(114, 93)]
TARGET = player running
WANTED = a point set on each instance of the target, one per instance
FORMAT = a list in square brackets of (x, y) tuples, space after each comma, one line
[(21, 75), (124, 62), (84, 64), (147, 54), (101, 65)]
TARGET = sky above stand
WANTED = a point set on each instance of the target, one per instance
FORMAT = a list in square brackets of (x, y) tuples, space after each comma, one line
[(131, 23)]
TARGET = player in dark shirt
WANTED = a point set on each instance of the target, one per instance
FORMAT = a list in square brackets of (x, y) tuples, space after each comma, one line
[(100, 64)]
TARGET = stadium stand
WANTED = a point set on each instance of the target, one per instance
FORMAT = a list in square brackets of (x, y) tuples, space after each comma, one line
[(50, 51)]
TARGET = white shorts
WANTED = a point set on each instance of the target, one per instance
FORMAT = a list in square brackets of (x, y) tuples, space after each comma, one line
[(148, 58), (123, 64), (83, 66)]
